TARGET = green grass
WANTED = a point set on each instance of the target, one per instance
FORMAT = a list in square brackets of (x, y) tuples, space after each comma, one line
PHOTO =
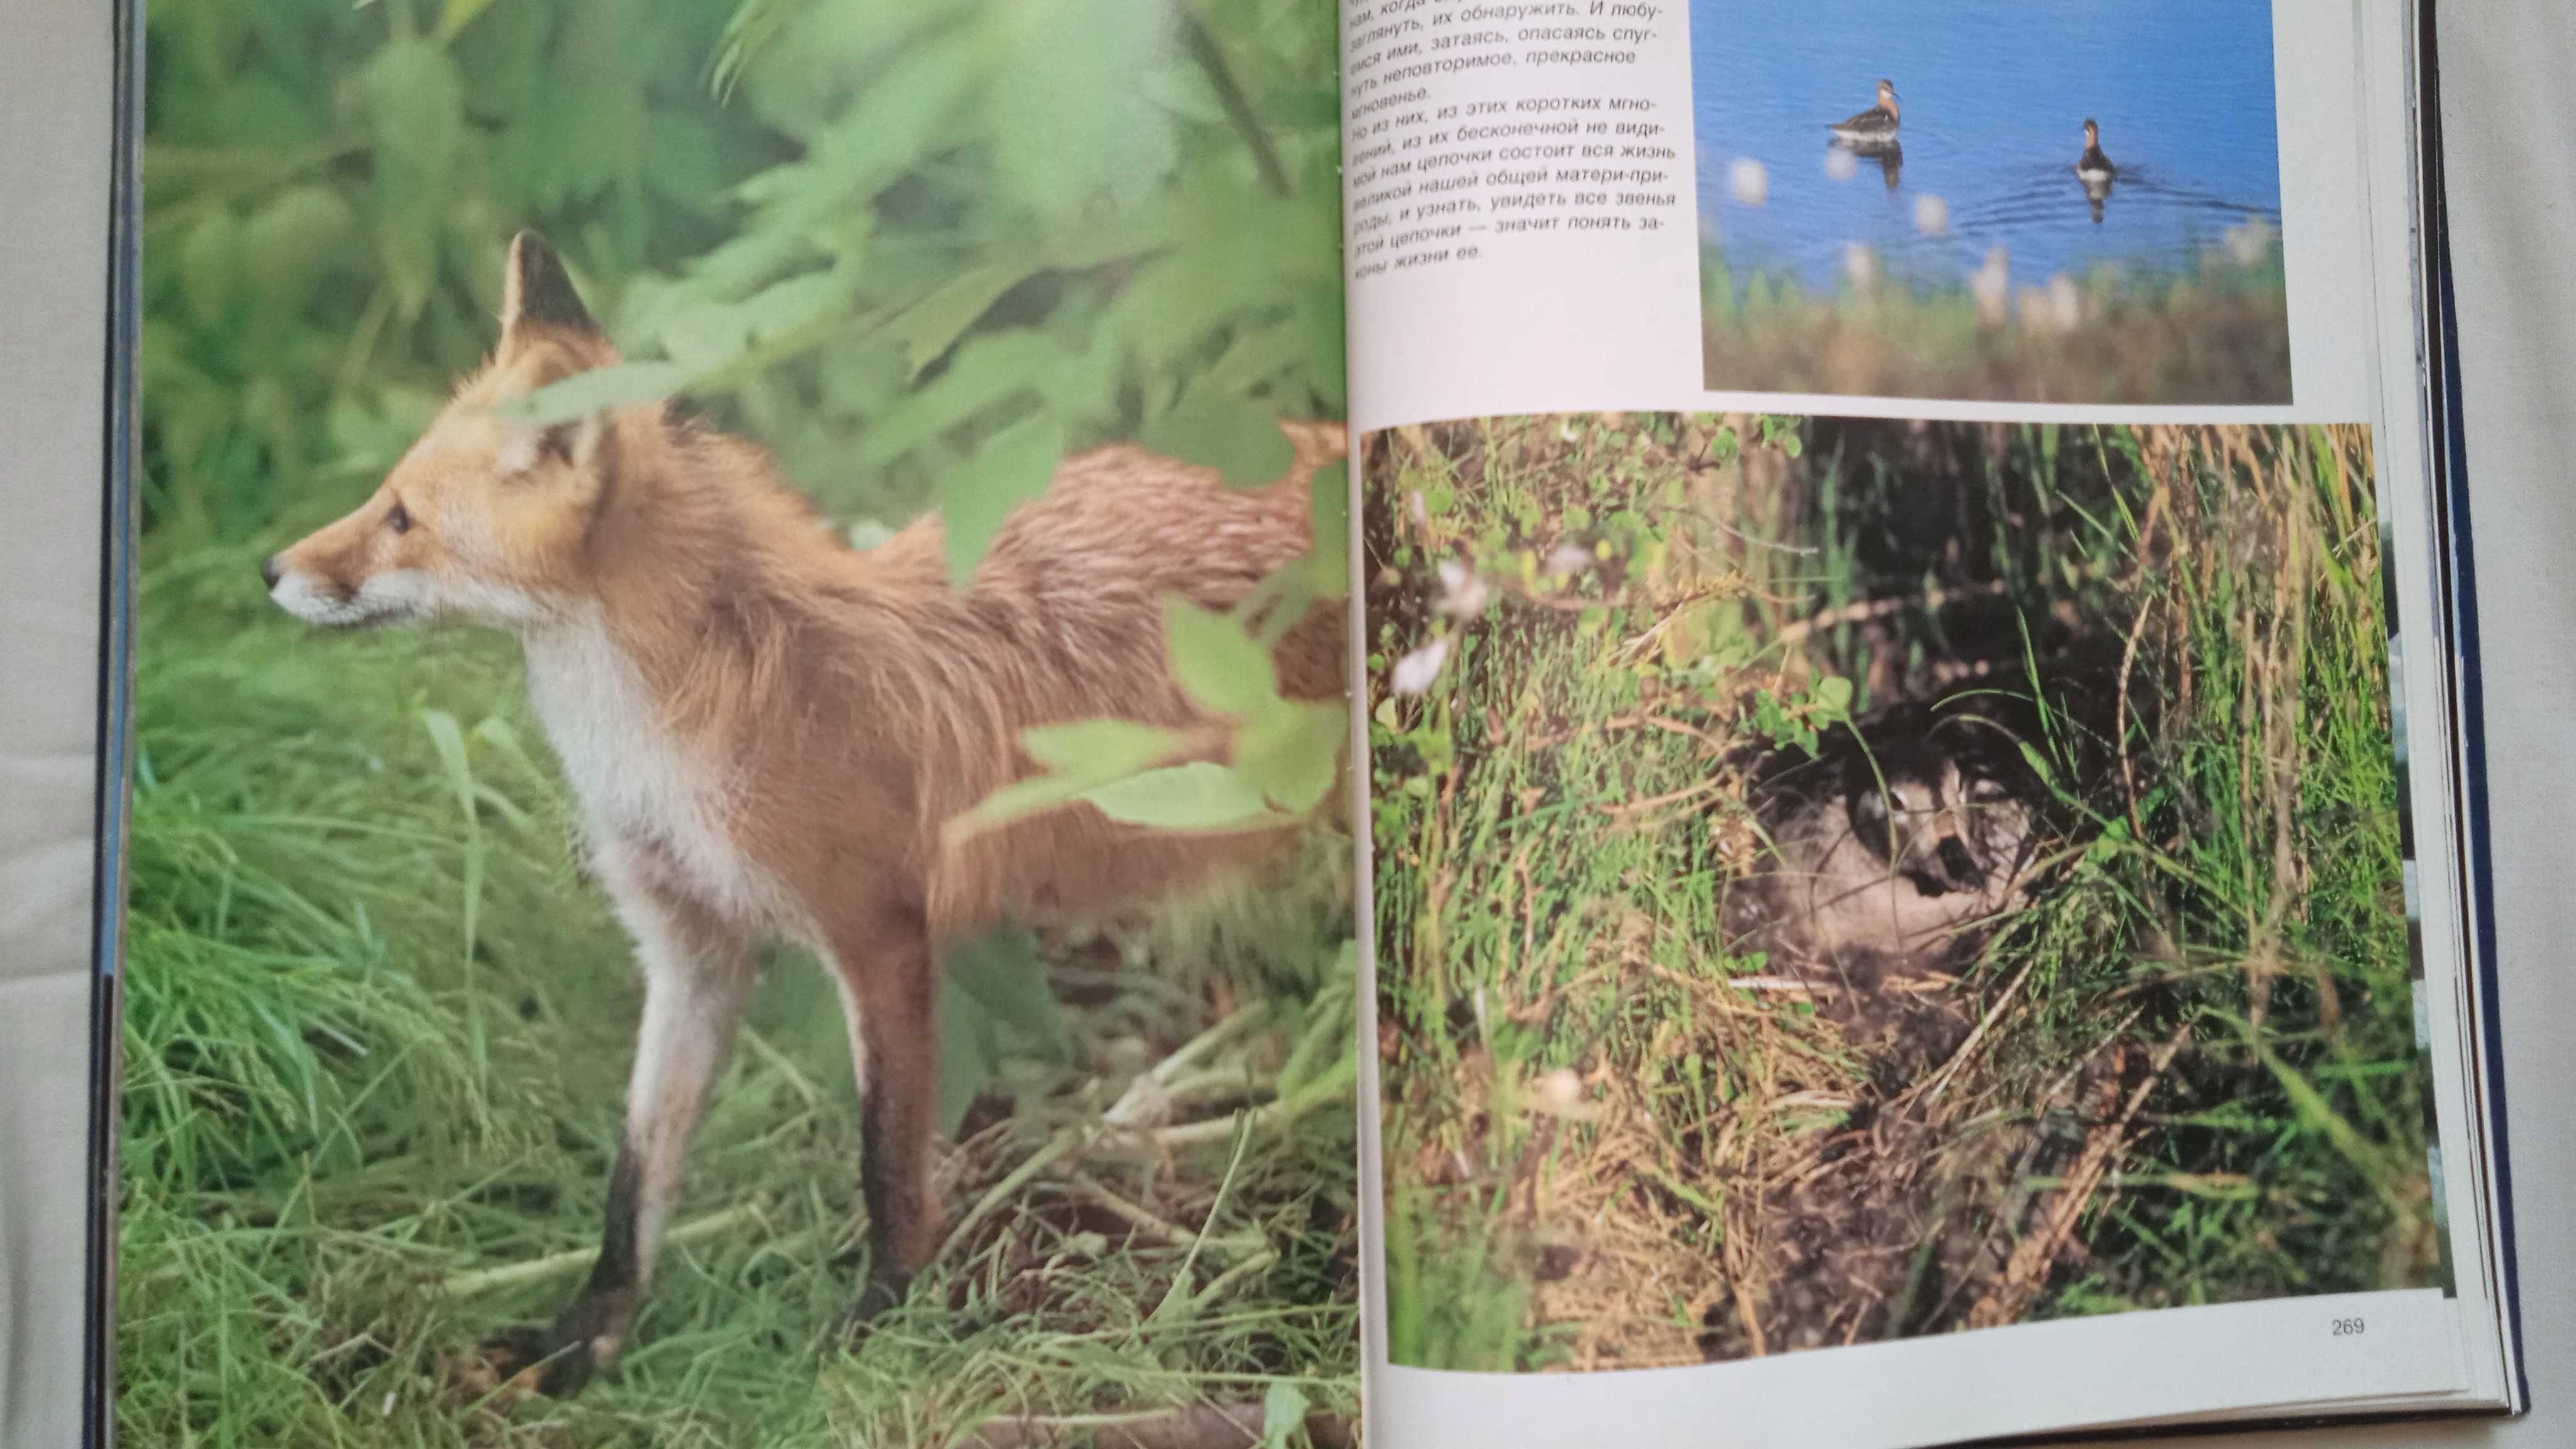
[(1606, 1136), (376, 1041), (2219, 335)]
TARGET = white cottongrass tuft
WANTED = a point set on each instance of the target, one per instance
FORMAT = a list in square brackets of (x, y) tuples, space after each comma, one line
[(2251, 242), (1841, 164), (1861, 265), (1568, 559), (1415, 672), (1931, 215), (1416, 509), (1750, 180), (2065, 302), (1992, 287), (1463, 593), (2059, 307), (1560, 1094)]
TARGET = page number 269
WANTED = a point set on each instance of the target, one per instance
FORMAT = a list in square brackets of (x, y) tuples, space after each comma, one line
[(2348, 1327)]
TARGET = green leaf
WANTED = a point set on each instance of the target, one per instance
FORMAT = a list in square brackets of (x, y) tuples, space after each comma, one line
[(209, 266), (449, 740), (1228, 434), (975, 499), (929, 327), (415, 102), (1197, 796), (1017, 801), (1283, 1414), (617, 385), (1003, 973), (1082, 755), (1101, 748), (703, 333), (1070, 123), (970, 1057), (987, 369), (995, 1007), (1292, 752), (782, 306), (299, 238), (1329, 513), (459, 14), (1220, 666)]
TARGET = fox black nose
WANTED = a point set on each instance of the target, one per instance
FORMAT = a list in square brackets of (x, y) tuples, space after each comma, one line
[(268, 571), (1963, 867)]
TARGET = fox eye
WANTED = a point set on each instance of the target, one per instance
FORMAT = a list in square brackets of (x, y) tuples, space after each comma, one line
[(400, 519)]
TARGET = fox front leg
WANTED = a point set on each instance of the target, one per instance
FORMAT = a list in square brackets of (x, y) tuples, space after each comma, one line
[(697, 976), (884, 962)]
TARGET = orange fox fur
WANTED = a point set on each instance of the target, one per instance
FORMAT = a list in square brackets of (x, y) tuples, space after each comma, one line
[(766, 729)]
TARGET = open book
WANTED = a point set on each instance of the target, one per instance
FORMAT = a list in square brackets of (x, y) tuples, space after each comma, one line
[(1917, 894), (1049, 722)]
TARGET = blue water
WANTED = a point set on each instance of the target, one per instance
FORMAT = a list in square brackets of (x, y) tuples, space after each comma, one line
[(1994, 96)]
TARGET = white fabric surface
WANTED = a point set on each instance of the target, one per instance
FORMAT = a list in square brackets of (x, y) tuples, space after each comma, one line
[(55, 128)]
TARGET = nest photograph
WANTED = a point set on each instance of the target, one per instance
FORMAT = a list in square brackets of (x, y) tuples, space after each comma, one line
[(1846, 880)]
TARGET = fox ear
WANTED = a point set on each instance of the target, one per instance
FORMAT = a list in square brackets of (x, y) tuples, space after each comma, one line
[(581, 442), (537, 292)]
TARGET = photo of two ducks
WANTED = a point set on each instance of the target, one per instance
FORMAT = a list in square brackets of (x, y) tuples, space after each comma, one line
[(2005, 256)]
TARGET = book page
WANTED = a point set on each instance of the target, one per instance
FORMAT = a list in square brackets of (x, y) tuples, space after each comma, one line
[(1905, 907), (1666, 212), (737, 831)]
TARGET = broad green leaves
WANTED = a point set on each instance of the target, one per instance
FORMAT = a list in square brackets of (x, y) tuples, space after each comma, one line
[(1285, 753), (1791, 720), (1220, 665), (416, 105), (1200, 795), (1329, 513), (975, 498), (994, 1008), (1231, 434), (1072, 126), (331, 187), (1283, 1415), (621, 385), (1291, 751)]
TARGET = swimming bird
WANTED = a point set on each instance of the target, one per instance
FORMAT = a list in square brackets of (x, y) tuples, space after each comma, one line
[(2094, 166), (1875, 126), (2095, 170)]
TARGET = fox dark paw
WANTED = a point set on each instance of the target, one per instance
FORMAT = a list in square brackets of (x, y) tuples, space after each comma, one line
[(532, 1360), (878, 1296), (559, 1359)]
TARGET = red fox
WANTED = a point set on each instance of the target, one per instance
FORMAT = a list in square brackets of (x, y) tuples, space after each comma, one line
[(766, 729)]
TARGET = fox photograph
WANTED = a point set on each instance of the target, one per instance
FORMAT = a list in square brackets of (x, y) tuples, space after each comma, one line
[(739, 836), (1846, 880)]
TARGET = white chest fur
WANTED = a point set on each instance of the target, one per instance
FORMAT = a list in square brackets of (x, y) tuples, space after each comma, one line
[(639, 786)]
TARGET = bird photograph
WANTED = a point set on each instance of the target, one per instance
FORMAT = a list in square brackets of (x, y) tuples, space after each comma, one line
[(1819, 282)]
